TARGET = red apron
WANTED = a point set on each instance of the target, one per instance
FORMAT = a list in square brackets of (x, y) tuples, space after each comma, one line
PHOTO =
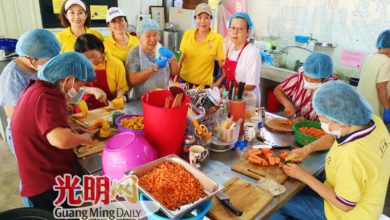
[(230, 68), (100, 82)]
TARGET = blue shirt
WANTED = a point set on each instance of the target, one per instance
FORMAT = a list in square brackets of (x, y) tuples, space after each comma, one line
[(13, 81)]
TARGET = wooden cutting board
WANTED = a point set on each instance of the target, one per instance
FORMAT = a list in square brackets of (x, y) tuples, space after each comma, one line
[(82, 151), (93, 115), (273, 124), (243, 195), (255, 171)]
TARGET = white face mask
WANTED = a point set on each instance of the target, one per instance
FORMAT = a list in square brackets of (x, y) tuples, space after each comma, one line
[(310, 85), (325, 127), (73, 95)]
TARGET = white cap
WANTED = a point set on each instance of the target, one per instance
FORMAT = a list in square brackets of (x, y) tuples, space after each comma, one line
[(114, 12), (75, 2)]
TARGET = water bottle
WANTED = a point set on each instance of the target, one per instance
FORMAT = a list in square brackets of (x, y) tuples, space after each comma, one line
[(225, 104)]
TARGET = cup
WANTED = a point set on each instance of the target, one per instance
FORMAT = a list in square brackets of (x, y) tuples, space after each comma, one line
[(197, 155), (258, 121), (237, 110), (249, 131)]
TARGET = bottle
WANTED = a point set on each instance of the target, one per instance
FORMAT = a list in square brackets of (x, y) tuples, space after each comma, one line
[(224, 106)]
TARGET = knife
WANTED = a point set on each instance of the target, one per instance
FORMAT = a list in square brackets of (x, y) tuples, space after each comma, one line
[(241, 87), (274, 147), (225, 200)]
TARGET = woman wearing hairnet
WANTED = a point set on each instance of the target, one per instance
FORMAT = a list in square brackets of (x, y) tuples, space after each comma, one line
[(296, 92), (242, 62), (34, 48), (374, 80), (120, 42), (357, 164), (44, 141), (200, 47), (110, 81), (149, 66), (75, 17)]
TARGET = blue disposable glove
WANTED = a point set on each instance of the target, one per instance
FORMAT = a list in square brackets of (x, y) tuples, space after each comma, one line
[(161, 63), (386, 116), (165, 52)]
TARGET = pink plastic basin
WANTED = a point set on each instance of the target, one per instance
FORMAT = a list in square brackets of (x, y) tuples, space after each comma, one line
[(124, 152)]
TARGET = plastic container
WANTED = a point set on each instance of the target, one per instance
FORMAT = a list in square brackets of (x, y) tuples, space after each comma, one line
[(164, 127), (273, 104), (237, 110), (8, 44), (201, 210), (124, 129), (302, 39), (303, 139), (124, 152)]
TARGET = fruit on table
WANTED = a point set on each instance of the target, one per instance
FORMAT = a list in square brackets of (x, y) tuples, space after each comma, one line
[(135, 122), (105, 130), (119, 103), (82, 105)]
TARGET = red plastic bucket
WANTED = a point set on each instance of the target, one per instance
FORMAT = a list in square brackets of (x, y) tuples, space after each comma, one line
[(164, 127), (273, 104)]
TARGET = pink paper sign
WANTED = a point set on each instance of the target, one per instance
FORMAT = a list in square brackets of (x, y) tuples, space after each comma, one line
[(351, 58)]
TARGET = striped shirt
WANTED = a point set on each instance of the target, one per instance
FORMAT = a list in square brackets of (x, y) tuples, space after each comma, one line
[(300, 96)]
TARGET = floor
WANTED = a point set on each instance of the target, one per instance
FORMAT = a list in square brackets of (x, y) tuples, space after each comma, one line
[(9, 182)]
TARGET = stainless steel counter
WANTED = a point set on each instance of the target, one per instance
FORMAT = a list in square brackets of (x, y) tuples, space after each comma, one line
[(218, 165)]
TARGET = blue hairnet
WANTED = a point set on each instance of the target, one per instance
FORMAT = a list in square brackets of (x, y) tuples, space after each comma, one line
[(38, 43), (67, 64), (318, 65), (341, 102), (383, 40), (147, 25), (242, 15)]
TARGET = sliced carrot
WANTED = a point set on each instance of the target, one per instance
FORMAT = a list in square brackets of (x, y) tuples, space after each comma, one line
[(255, 160), (271, 160), (265, 151), (265, 163), (254, 151), (277, 160), (283, 156)]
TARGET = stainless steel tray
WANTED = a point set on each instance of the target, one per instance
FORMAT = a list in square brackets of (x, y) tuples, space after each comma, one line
[(210, 186)]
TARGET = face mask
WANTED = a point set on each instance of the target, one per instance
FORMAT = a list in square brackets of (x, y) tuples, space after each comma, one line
[(309, 85), (325, 127), (73, 95)]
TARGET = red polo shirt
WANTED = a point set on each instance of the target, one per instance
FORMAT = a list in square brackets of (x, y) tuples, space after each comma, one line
[(40, 109)]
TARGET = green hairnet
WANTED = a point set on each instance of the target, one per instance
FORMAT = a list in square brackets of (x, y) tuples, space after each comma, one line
[(38, 43), (147, 25), (383, 40), (341, 102), (318, 65), (67, 64)]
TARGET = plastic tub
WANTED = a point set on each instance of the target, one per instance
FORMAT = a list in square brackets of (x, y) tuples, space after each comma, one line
[(8, 44), (303, 139), (164, 127), (201, 210), (124, 152), (301, 39), (124, 129)]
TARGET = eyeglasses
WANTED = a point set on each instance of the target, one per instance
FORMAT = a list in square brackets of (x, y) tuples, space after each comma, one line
[(238, 29)]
